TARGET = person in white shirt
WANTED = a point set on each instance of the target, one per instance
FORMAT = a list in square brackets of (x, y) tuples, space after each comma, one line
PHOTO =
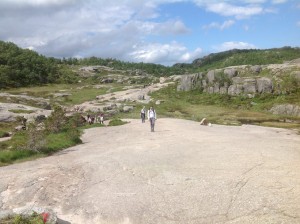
[(143, 114), (151, 117)]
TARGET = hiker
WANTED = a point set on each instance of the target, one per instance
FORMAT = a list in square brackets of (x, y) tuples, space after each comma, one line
[(143, 114), (23, 120), (151, 117), (89, 119), (101, 119)]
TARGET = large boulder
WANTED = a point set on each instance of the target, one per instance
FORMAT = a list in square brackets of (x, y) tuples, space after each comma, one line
[(235, 89), (256, 68), (223, 90), (7, 117), (230, 72), (216, 88), (296, 75), (286, 109), (127, 109), (249, 85), (264, 85), (211, 76), (210, 89), (190, 82), (237, 81)]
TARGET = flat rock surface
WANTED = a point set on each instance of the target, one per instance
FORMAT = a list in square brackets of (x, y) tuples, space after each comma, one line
[(181, 173)]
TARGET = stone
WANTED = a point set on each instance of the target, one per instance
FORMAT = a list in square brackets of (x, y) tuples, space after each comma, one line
[(107, 80), (204, 83), (210, 89), (40, 118), (230, 72), (237, 80), (62, 94), (235, 89), (223, 90), (256, 68), (296, 75), (211, 76), (286, 109), (127, 109), (190, 82), (264, 85), (20, 128), (216, 88), (249, 86), (7, 117)]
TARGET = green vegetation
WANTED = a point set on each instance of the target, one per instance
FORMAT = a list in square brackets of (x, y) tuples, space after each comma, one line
[(59, 132), (223, 109), (21, 111), (23, 67), (116, 122), (20, 219), (244, 57)]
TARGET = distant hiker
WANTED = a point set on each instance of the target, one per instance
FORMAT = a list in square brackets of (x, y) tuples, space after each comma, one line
[(101, 118), (89, 119), (23, 120), (151, 117), (98, 120), (143, 114)]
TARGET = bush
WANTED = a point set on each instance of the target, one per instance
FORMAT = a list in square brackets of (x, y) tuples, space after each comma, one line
[(56, 121), (36, 140), (116, 122), (7, 156), (20, 219)]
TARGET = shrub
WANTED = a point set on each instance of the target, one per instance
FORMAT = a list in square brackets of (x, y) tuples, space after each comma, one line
[(36, 140), (57, 120), (116, 122)]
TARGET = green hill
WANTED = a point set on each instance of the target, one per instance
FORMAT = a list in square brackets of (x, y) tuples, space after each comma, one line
[(243, 57), (23, 67)]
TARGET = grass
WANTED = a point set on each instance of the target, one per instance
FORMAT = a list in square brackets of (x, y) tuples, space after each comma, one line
[(79, 93), (116, 122), (19, 111), (3, 134), (15, 149), (20, 219), (223, 109)]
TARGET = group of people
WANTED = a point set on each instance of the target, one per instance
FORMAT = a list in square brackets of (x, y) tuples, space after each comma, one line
[(95, 119), (151, 115)]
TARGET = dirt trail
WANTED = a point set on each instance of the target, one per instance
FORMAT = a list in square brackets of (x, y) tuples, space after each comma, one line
[(181, 173)]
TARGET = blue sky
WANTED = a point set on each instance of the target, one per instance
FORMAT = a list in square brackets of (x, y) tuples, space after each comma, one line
[(156, 31)]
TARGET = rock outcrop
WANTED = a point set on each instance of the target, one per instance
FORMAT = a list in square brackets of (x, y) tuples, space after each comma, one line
[(246, 80), (286, 109)]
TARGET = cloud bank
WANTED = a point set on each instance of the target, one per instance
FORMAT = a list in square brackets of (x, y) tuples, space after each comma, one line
[(130, 30)]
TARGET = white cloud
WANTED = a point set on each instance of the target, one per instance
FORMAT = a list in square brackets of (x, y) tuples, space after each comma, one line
[(83, 28), (238, 12), (169, 53), (233, 45), (279, 1), (246, 28), (171, 27), (215, 25)]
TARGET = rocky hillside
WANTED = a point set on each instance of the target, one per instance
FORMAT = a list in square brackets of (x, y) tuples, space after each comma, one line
[(242, 57), (249, 81)]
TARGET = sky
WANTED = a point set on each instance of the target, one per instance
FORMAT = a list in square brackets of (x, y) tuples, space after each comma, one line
[(151, 31)]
